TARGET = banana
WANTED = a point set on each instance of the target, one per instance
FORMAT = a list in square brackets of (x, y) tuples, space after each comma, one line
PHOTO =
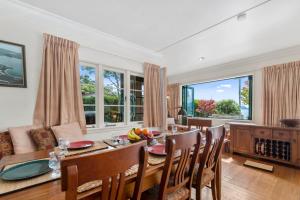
[(133, 136)]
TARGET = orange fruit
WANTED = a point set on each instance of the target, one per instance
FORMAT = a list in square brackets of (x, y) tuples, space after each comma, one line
[(145, 131), (138, 131)]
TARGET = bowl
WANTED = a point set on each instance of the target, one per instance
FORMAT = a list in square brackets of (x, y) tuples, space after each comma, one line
[(290, 122)]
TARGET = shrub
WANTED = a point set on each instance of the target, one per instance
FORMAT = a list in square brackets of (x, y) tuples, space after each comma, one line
[(228, 107), (204, 108)]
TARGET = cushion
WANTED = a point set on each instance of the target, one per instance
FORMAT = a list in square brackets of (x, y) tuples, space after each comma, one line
[(43, 138), (207, 176), (70, 132), (21, 140), (6, 146)]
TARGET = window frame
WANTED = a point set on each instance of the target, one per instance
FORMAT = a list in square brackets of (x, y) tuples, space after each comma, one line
[(129, 90), (251, 93), (100, 68), (88, 64)]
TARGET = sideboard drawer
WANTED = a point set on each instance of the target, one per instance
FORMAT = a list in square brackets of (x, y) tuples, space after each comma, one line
[(282, 135), (263, 133)]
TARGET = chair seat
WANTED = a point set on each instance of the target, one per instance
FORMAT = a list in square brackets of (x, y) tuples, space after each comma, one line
[(207, 176), (181, 194)]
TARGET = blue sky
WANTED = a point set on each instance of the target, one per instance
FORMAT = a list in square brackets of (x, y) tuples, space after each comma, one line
[(217, 90)]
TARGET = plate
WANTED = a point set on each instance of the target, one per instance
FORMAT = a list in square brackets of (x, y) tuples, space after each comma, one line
[(156, 133), (123, 137), (159, 149), (26, 170), (80, 144)]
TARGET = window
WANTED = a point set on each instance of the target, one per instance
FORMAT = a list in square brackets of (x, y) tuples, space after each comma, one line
[(113, 96), (104, 91), (136, 98), (229, 98), (88, 90)]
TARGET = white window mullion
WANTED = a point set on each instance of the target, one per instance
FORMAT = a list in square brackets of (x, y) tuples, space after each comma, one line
[(101, 97), (127, 97)]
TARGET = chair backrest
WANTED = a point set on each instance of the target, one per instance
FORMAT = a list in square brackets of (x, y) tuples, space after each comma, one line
[(183, 144), (199, 123), (212, 150), (109, 166)]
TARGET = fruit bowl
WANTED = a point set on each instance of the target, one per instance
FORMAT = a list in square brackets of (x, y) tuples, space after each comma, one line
[(137, 134), (290, 122)]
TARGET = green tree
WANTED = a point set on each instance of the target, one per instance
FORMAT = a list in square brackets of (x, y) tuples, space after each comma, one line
[(228, 107), (245, 94)]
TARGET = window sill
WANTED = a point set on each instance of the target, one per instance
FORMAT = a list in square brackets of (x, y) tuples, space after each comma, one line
[(113, 128)]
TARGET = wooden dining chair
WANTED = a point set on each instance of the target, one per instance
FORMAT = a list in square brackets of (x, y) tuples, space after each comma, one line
[(199, 123), (107, 167), (176, 181), (206, 169)]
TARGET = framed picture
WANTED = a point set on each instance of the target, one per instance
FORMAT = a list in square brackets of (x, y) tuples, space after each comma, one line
[(12, 65)]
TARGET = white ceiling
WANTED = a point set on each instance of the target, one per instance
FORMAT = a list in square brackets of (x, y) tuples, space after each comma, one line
[(156, 24)]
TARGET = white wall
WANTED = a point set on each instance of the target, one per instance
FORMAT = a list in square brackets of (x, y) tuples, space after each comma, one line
[(247, 66), (26, 25)]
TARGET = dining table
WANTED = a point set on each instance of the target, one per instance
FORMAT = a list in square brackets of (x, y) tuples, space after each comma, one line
[(52, 189)]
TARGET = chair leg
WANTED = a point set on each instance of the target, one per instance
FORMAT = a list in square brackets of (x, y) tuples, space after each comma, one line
[(198, 193), (214, 189)]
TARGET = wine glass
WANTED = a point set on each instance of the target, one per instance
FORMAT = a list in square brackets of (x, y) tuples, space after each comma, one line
[(54, 164), (63, 145), (174, 129)]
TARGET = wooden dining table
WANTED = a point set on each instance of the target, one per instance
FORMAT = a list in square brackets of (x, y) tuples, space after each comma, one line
[(52, 189)]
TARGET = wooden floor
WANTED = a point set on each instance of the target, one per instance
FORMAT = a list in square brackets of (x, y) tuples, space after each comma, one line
[(244, 183)]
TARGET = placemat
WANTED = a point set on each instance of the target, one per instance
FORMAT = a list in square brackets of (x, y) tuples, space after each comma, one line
[(110, 142), (155, 160), (11, 186), (97, 146)]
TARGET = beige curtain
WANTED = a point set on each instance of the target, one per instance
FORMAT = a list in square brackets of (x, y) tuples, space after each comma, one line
[(281, 92), (173, 93), (59, 99), (152, 96), (163, 89)]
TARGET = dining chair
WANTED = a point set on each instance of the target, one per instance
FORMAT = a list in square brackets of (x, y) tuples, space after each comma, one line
[(176, 182), (206, 169), (199, 123), (109, 168)]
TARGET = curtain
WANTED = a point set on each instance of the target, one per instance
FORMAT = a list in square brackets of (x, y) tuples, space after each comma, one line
[(163, 89), (152, 96), (173, 99), (281, 98), (59, 99)]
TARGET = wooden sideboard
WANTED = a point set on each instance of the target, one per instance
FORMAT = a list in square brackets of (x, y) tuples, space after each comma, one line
[(276, 143)]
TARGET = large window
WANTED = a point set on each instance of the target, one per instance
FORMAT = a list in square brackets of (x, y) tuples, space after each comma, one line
[(229, 98), (105, 91)]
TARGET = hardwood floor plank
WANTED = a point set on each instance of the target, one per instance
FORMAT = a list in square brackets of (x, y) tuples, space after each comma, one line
[(244, 183)]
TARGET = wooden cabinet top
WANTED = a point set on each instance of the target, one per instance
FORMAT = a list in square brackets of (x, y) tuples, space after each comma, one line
[(232, 124)]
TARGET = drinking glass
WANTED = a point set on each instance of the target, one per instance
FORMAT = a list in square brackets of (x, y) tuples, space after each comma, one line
[(63, 145), (54, 164), (174, 129)]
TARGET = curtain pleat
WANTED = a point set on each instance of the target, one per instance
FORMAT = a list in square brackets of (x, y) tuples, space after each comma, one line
[(281, 98), (59, 99), (152, 96), (173, 99)]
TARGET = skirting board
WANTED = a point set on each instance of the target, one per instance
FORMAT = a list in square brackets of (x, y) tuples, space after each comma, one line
[(258, 165)]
